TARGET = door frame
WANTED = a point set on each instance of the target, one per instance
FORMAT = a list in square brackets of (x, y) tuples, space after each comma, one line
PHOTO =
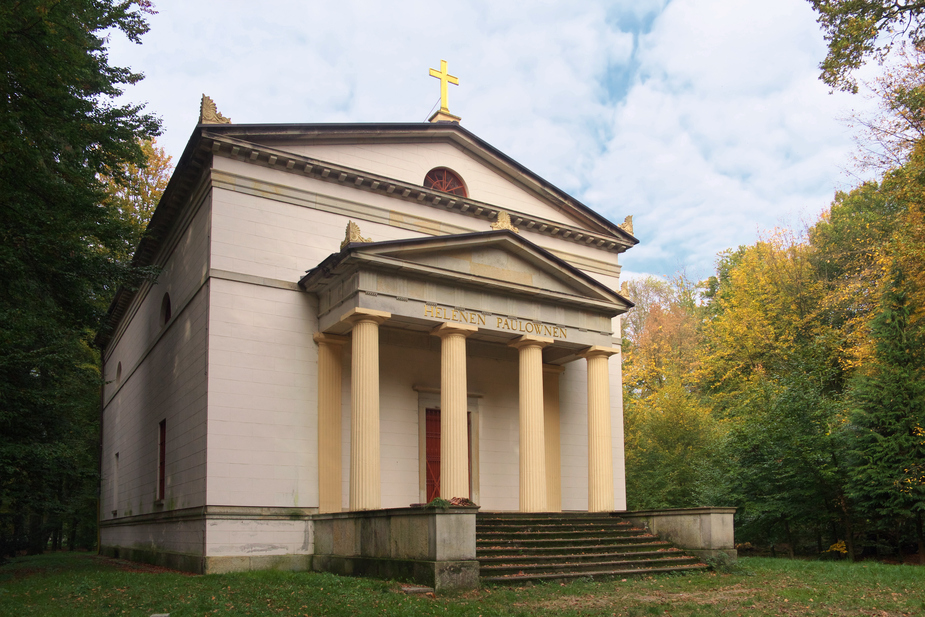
[(429, 398)]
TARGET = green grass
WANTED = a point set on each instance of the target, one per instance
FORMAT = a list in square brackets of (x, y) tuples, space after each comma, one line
[(77, 585)]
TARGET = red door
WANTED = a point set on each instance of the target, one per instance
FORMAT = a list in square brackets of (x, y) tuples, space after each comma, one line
[(433, 453), (432, 463)]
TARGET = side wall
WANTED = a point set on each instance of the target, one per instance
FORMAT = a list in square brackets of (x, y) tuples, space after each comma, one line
[(155, 372)]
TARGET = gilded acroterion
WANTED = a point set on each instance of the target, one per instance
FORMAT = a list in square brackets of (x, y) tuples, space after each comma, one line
[(208, 113), (627, 225), (353, 235), (504, 222)]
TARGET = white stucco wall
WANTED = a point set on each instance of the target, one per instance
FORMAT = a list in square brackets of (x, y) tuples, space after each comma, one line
[(163, 377)]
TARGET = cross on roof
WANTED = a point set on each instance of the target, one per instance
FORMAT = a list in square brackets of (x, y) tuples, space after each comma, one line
[(444, 77)]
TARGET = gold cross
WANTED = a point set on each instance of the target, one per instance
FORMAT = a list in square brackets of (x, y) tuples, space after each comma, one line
[(444, 77)]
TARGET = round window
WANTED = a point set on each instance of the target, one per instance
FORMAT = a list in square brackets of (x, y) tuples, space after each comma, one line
[(442, 179)]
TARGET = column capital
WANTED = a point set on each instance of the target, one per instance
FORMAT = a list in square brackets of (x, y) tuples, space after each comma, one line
[(445, 329), (529, 340), (353, 316), (597, 351), (553, 368), (330, 339)]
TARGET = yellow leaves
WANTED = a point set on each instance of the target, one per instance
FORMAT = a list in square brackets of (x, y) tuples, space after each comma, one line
[(771, 299)]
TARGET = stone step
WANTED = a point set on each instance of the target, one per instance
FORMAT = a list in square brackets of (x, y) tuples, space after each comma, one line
[(563, 558), (527, 542), (516, 579), (590, 549), (552, 526), (591, 566), (556, 515), (516, 547), (561, 533)]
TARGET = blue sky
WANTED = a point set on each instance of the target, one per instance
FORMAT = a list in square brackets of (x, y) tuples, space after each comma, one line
[(704, 119)]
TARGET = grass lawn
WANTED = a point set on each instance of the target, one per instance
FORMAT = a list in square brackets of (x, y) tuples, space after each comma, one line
[(77, 585)]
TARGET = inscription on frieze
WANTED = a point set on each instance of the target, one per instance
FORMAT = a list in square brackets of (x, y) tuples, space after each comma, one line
[(513, 324)]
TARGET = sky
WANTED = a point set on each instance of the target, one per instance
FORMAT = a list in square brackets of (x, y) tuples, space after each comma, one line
[(704, 119)]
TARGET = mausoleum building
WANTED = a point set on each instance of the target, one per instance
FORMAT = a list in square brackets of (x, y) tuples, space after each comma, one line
[(351, 318)]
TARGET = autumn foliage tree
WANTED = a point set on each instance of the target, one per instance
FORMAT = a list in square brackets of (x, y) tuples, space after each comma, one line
[(670, 435), (134, 190)]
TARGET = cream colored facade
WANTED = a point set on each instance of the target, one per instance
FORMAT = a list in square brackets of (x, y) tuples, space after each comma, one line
[(292, 376)]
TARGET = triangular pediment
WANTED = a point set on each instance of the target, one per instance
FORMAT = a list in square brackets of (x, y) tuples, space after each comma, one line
[(497, 260), (365, 156)]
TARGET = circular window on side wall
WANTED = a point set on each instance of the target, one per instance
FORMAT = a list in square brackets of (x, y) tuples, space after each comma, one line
[(165, 310), (442, 179)]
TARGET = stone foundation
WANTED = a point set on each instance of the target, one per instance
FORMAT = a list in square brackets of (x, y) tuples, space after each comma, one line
[(429, 547), (705, 532)]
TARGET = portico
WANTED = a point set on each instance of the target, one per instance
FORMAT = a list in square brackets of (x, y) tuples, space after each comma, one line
[(492, 289)]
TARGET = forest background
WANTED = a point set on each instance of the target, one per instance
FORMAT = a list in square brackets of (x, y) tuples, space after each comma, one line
[(790, 385)]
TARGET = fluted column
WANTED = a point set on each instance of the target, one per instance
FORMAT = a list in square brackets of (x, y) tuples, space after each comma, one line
[(551, 429), (532, 439), (365, 489), (454, 434), (330, 475), (600, 444)]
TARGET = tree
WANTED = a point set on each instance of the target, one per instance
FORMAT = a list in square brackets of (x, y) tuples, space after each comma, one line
[(60, 131), (856, 30), (670, 435), (771, 369), (135, 191), (888, 418)]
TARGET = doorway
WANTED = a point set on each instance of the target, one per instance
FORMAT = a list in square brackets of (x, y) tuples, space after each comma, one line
[(432, 452)]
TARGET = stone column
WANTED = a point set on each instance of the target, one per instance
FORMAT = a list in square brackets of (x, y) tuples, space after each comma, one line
[(330, 475), (532, 439), (551, 429), (454, 434), (600, 444), (365, 489)]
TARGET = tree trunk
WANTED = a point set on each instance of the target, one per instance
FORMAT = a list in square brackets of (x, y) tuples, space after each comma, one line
[(920, 536), (72, 535), (789, 538), (849, 527)]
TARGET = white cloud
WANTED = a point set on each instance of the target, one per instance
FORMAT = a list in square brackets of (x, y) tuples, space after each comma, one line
[(707, 126), (725, 131)]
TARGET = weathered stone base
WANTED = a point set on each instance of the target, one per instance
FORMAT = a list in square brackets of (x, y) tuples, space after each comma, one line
[(441, 575), (165, 559), (429, 547), (214, 539), (244, 563), (705, 532), (209, 565)]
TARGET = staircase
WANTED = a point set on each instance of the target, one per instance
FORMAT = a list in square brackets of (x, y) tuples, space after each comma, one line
[(514, 547)]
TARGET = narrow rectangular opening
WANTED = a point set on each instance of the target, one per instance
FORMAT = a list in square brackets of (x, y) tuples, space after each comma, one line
[(161, 464)]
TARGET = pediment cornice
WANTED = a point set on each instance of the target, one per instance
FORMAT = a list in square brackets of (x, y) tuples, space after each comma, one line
[(403, 256), (615, 240)]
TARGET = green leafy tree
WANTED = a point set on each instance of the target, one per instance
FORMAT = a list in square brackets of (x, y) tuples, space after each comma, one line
[(770, 368), (888, 418), (857, 30), (60, 132)]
